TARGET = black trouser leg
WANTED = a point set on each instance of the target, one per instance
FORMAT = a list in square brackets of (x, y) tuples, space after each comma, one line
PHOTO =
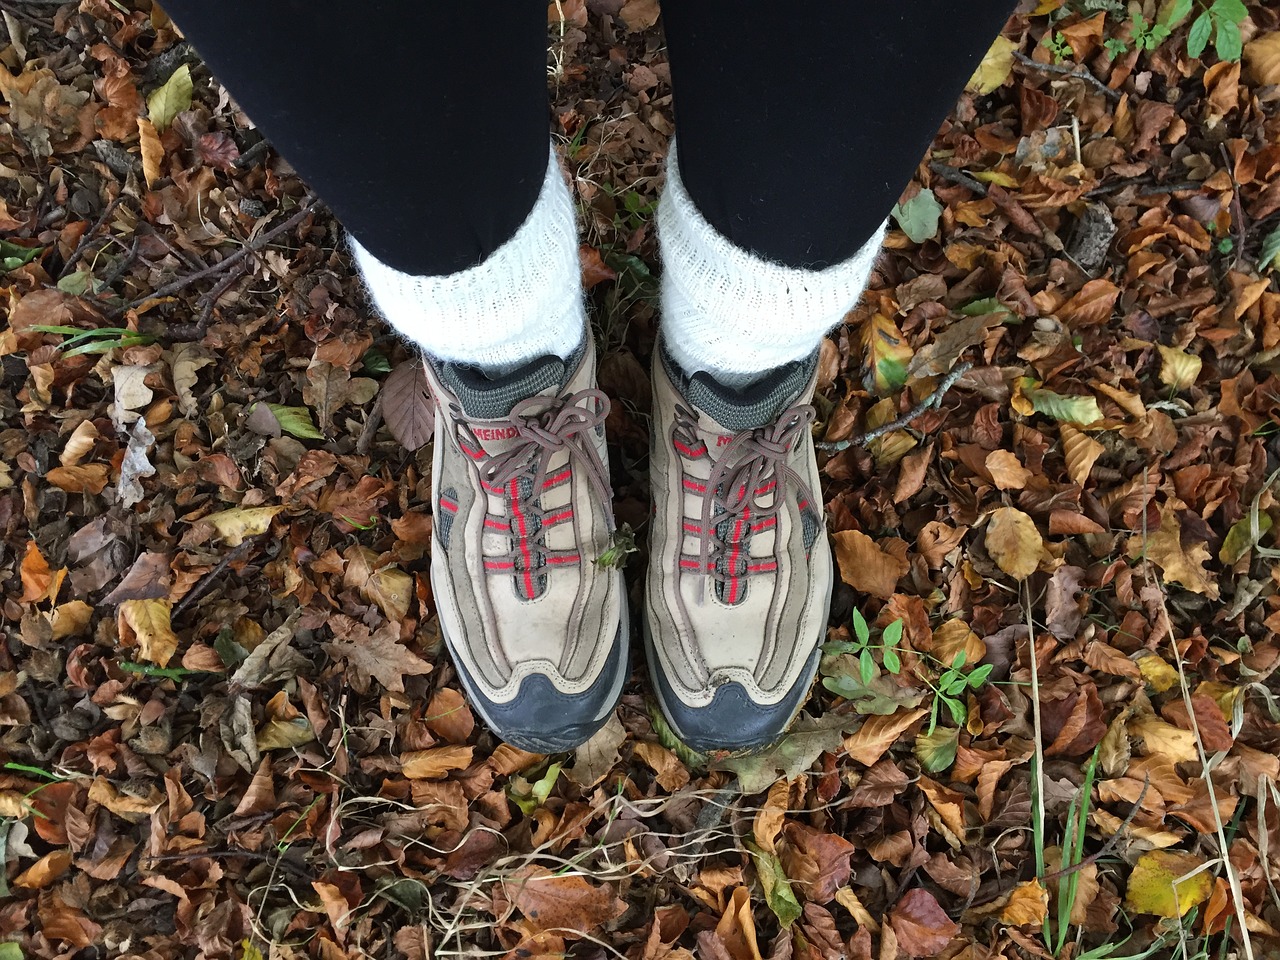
[(422, 125), (800, 124)]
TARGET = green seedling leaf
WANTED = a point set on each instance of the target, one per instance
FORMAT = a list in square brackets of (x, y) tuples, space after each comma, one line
[(537, 793), (957, 709), (10, 951), (1080, 410), (937, 751), (860, 628), (777, 888), (866, 666), (955, 685), (891, 661), (295, 421), (880, 697), (1227, 40), (171, 98), (1233, 11), (1174, 13), (958, 661), (1198, 38), (919, 216), (892, 634), (979, 676)]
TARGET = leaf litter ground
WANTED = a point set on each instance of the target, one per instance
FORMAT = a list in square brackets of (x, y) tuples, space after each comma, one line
[(227, 726)]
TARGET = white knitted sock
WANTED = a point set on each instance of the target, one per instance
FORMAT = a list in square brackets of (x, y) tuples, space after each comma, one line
[(733, 313), (524, 300)]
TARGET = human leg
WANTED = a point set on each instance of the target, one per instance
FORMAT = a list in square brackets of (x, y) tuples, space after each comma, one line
[(433, 149), (796, 134)]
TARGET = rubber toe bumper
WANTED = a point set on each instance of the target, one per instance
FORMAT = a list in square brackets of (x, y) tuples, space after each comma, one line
[(542, 719), (732, 720)]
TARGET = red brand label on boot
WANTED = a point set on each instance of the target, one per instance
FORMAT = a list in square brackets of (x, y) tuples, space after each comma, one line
[(724, 439), (495, 433)]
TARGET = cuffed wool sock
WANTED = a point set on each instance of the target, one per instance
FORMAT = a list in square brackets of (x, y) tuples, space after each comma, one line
[(733, 313), (524, 300)]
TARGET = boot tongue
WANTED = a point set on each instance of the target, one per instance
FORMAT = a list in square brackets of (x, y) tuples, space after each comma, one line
[(491, 398), (736, 409)]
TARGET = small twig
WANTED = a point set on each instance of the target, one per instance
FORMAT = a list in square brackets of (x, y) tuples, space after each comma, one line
[(121, 265), (370, 427), (83, 246), (956, 175), (932, 400), (252, 246), (203, 584), (1079, 72), (186, 332)]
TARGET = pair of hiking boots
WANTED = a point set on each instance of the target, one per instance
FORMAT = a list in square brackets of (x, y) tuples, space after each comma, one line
[(739, 577)]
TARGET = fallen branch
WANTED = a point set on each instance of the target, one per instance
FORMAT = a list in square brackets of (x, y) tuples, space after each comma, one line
[(83, 246), (1078, 72), (932, 400), (203, 584), (252, 246)]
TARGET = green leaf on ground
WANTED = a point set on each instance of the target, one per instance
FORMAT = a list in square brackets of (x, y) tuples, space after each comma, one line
[(171, 98), (936, 751), (1077, 409), (295, 421), (777, 888)]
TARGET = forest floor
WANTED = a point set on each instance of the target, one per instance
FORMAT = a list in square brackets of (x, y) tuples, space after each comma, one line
[(1047, 725)]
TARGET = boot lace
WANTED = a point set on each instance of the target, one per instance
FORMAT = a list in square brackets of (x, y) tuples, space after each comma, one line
[(750, 480)]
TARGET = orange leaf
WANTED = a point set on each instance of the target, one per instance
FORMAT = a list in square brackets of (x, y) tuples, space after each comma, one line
[(45, 870), (80, 478), (37, 578), (570, 904), (864, 566), (872, 740), (434, 763), (923, 929)]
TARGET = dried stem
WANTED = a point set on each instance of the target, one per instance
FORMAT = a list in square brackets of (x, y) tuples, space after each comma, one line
[(932, 400)]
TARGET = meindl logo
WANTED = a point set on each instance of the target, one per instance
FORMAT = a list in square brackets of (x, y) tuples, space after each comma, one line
[(495, 433), (723, 440)]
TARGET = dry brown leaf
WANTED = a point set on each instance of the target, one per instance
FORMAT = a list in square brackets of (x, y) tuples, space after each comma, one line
[(922, 927), (1178, 368), (639, 14), (955, 636), (387, 586), (407, 408), (873, 739), (152, 150), (148, 579), (37, 578), (1006, 470), (435, 762), (569, 905), (1013, 542), (44, 871), (1164, 548), (672, 774), (816, 861), (1028, 905), (378, 656), (449, 716), (1163, 739), (736, 930), (80, 478), (864, 566), (1262, 57), (769, 818), (1080, 451)]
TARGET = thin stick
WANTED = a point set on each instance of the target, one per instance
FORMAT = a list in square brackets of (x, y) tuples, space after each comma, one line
[(1111, 841), (83, 245), (371, 425), (203, 584), (956, 175), (1079, 72), (932, 400), (195, 331), (251, 246)]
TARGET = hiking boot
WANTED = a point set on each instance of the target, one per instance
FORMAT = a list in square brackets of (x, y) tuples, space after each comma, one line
[(520, 481), (740, 576)]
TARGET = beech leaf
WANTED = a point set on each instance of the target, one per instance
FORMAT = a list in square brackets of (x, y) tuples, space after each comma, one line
[(171, 98), (1013, 542), (407, 407), (922, 927), (1168, 883)]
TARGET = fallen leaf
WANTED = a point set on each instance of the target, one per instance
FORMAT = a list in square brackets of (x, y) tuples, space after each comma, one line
[(435, 762), (922, 927), (1028, 905), (1061, 610), (1080, 451), (1178, 368), (152, 150), (1164, 739), (37, 578), (377, 656), (239, 523), (568, 904), (148, 579), (792, 755), (146, 623), (672, 774), (816, 861), (994, 70), (170, 98), (1166, 883), (736, 930), (1164, 548), (873, 739), (639, 15), (886, 355), (1005, 469), (387, 586), (1262, 58), (407, 407), (44, 871), (449, 716), (1013, 542), (865, 567), (80, 478), (593, 761)]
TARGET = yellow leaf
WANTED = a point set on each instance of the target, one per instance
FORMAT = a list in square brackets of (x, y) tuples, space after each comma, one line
[(769, 818), (955, 636), (886, 355), (1178, 369), (994, 68), (285, 733), (171, 98), (146, 622), (152, 150), (1028, 905), (1013, 542), (1166, 883), (1156, 672), (996, 177), (1262, 57), (236, 524), (1164, 739), (849, 900), (1080, 451), (1005, 469), (1164, 548), (70, 619), (434, 763)]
